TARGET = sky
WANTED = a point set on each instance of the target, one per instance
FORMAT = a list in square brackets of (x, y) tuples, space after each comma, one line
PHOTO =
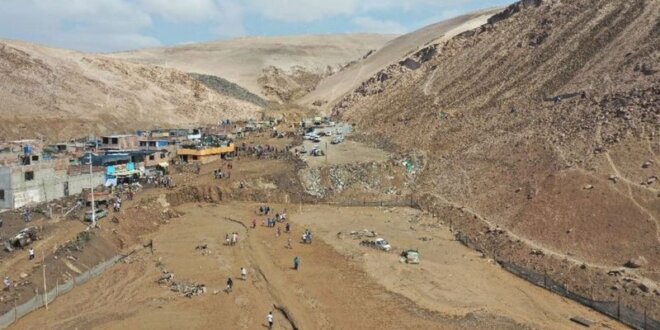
[(117, 25)]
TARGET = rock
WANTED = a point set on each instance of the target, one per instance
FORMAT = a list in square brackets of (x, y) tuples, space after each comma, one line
[(651, 180), (647, 164), (644, 288), (614, 178), (588, 187), (23, 275), (636, 262)]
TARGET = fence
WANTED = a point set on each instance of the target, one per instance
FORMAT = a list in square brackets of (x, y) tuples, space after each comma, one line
[(615, 309), (39, 300)]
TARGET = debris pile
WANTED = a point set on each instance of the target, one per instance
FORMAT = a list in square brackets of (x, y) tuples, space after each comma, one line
[(187, 288)]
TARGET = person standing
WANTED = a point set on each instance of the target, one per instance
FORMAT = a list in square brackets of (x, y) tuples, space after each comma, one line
[(31, 253), (243, 273), (296, 262), (7, 283), (269, 319), (254, 223), (230, 285), (288, 244)]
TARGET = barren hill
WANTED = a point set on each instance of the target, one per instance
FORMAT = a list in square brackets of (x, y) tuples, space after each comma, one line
[(244, 60), (60, 94), (333, 87), (510, 140)]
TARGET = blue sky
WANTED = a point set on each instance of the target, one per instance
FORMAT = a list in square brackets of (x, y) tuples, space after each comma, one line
[(115, 25)]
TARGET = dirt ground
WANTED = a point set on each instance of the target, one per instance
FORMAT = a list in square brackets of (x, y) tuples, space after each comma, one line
[(340, 285)]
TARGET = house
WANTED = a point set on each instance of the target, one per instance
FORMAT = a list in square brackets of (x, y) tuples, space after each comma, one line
[(204, 154), (156, 152), (119, 142), (42, 181)]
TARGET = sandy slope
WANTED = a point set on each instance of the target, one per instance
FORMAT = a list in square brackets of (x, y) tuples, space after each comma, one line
[(335, 86), (242, 60), (54, 92)]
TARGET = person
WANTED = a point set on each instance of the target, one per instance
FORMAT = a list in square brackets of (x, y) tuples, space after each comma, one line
[(287, 227), (230, 285), (269, 318), (278, 231), (226, 239), (243, 273), (31, 253), (1, 223), (296, 262), (288, 244), (7, 283), (254, 223)]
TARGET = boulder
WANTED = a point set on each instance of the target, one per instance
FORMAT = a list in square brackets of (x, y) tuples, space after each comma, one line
[(636, 262)]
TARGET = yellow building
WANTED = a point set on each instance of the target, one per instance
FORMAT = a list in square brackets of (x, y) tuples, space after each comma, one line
[(204, 155)]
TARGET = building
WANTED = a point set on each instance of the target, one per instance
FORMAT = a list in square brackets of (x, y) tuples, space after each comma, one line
[(119, 142), (42, 181), (156, 152), (204, 154)]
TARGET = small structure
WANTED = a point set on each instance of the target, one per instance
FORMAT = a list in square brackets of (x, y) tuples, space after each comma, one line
[(204, 154), (119, 142)]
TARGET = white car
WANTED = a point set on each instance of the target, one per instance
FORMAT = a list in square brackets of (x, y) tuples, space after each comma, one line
[(379, 243)]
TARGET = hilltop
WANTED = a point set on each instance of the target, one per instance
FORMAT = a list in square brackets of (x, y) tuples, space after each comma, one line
[(61, 94), (245, 60)]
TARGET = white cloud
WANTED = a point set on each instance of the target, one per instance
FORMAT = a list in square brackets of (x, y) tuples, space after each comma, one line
[(304, 10), (182, 11), (369, 24)]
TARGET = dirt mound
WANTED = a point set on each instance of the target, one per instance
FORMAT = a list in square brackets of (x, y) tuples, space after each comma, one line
[(543, 121), (53, 92)]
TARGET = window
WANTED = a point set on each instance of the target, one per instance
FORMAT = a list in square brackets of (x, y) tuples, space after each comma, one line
[(115, 141), (2, 194), (162, 155), (152, 157), (35, 158), (106, 140), (29, 176)]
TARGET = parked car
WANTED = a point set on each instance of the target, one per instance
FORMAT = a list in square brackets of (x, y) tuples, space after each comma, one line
[(337, 140), (410, 256), (379, 243), (100, 213)]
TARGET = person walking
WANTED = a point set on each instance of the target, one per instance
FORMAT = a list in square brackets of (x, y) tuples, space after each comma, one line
[(230, 285), (31, 253), (296, 262), (288, 244), (269, 319), (243, 273)]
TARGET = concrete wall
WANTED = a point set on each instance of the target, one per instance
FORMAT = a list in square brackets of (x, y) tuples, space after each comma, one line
[(48, 184), (5, 184)]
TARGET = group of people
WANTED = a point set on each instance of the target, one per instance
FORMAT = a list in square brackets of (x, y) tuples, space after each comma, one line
[(161, 181), (307, 236), (232, 239), (263, 152)]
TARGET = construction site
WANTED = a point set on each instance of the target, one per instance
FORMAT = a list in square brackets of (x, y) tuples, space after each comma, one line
[(497, 170)]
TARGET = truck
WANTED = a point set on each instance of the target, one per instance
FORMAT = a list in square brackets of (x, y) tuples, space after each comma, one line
[(378, 243)]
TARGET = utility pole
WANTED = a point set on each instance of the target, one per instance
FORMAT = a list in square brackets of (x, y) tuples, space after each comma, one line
[(43, 264), (91, 185)]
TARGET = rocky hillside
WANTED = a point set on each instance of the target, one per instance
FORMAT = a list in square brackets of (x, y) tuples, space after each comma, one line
[(60, 94), (544, 122), (243, 60)]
